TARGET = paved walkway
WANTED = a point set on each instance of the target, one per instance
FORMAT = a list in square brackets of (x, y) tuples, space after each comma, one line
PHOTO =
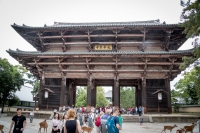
[(127, 127)]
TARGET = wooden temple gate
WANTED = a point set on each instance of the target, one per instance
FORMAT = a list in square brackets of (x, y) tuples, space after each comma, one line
[(142, 54)]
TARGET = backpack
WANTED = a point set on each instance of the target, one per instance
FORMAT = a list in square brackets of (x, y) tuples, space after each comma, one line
[(111, 127), (103, 127), (98, 121)]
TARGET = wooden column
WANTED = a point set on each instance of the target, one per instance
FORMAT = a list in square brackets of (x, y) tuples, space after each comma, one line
[(89, 93), (70, 93), (144, 95), (74, 94), (66, 102), (116, 101), (112, 95), (93, 97), (62, 91), (40, 94), (139, 95), (136, 95), (93, 93), (169, 106)]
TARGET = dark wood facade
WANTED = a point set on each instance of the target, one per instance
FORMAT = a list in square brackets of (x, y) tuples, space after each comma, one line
[(142, 54)]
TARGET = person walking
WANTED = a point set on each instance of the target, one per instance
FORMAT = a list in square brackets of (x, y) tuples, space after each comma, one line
[(113, 127), (104, 119), (20, 122), (63, 123), (140, 115), (31, 116), (136, 110), (120, 120), (98, 122), (55, 111), (90, 120), (71, 125), (81, 119), (56, 124)]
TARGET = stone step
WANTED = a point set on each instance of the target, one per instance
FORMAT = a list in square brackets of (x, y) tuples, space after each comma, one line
[(3, 115), (132, 118)]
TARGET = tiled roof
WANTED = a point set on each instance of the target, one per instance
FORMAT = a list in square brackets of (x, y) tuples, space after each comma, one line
[(153, 23), (173, 52)]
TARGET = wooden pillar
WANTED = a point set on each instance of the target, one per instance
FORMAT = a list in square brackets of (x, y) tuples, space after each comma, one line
[(74, 95), (144, 95), (139, 95), (116, 101), (70, 93), (62, 91), (93, 93), (112, 95), (136, 95), (66, 102), (89, 93), (93, 97), (40, 94), (169, 106)]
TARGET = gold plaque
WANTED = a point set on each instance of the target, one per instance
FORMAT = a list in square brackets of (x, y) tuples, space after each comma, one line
[(103, 47)]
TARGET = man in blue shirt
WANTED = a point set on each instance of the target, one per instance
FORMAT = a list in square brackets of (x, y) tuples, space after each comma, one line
[(114, 121)]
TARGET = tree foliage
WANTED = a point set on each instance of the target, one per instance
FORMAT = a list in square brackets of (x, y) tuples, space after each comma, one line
[(189, 86), (12, 102), (191, 17), (127, 97), (36, 86), (81, 97), (11, 80), (100, 99)]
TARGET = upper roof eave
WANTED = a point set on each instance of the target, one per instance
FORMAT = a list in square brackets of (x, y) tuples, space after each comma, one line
[(37, 53), (58, 25)]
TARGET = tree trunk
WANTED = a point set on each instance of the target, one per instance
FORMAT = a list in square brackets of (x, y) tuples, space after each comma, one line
[(2, 106)]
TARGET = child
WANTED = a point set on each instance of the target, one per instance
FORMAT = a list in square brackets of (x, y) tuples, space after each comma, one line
[(120, 120)]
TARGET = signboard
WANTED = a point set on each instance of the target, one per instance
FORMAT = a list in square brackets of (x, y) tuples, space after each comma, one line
[(159, 96), (35, 99), (103, 47)]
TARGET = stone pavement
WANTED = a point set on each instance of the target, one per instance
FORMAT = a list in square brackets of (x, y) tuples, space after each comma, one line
[(127, 127)]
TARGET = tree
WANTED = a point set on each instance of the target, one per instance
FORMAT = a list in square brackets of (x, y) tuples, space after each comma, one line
[(36, 86), (11, 80), (12, 102), (81, 97), (189, 86), (191, 17), (100, 99), (127, 97)]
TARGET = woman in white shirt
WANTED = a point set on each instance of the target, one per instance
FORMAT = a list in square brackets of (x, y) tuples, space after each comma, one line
[(56, 124)]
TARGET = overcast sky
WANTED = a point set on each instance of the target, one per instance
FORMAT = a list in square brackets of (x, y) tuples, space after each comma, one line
[(40, 12)]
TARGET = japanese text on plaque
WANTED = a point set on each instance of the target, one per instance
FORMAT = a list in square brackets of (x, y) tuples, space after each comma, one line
[(103, 47)]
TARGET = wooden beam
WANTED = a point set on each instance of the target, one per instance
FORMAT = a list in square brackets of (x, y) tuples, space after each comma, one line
[(106, 63), (82, 43), (113, 71), (85, 36)]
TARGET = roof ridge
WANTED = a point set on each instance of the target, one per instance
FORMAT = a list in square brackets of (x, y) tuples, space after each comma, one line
[(147, 21)]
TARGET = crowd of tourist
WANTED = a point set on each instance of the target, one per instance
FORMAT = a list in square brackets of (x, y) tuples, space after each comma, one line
[(72, 120), (93, 117)]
